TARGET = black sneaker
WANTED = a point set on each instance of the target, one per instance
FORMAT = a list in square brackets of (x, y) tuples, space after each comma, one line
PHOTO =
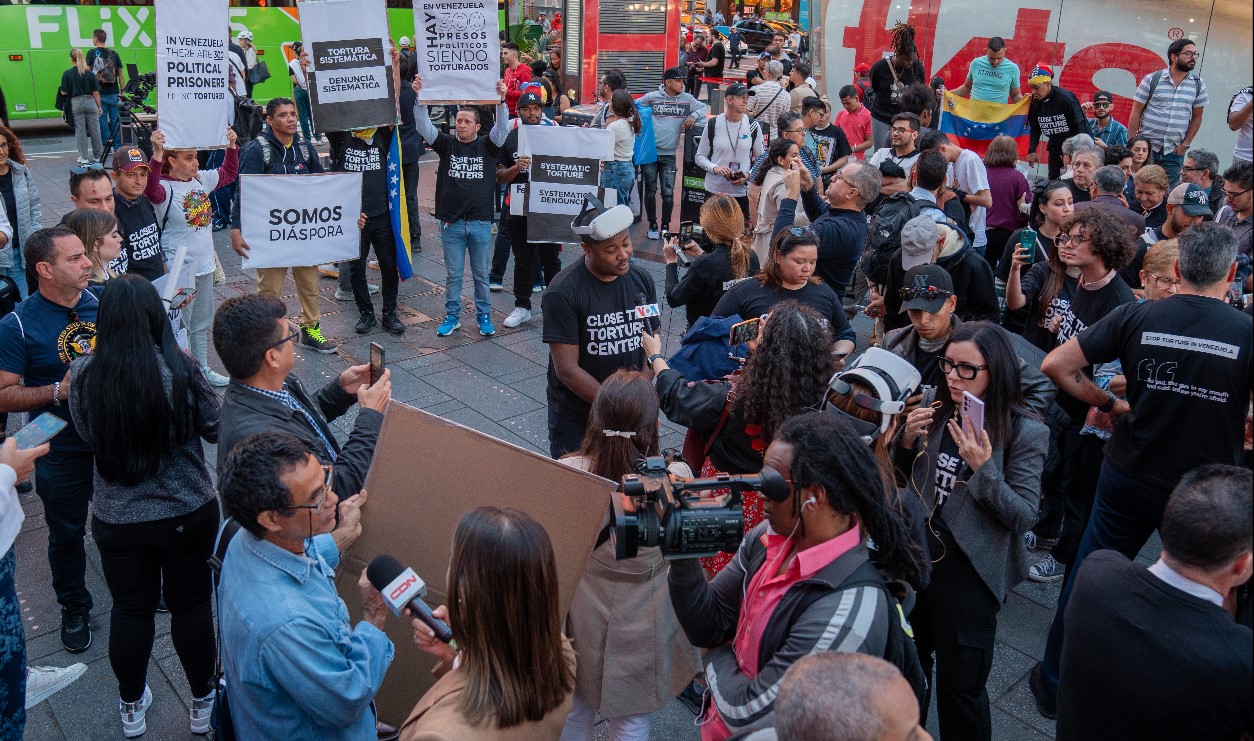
[(392, 323), (692, 697), (311, 338), (1045, 705), (75, 630), (366, 322)]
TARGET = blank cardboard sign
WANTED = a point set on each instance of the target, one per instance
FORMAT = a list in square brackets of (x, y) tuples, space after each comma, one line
[(427, 473)]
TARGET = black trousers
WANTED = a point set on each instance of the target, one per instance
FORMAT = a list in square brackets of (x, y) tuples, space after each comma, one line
[(955, 618), (410, 171), (524, 260), (377, 233), (65, 482), (996, 245), (143, 561), (1055, 164), (565, 434), (1084, 468)]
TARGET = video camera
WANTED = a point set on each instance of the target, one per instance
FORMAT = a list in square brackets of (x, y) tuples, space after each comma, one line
[(136, 92), (652, 509)]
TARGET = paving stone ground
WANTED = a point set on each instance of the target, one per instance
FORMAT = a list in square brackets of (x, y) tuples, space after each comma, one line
[(494, 385)]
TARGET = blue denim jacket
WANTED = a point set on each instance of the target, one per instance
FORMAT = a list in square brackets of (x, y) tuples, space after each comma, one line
[(295, 667)]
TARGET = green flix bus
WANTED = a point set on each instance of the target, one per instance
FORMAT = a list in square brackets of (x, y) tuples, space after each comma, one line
[(36, 37)]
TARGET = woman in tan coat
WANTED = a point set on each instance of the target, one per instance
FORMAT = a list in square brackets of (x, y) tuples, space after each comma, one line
[(512, 674), (781, 157), (633, 656)]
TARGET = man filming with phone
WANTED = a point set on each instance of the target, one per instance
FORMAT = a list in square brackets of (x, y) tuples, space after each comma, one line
[(730, 143)]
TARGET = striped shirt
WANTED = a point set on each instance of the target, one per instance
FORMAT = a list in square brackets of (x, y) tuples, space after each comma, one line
[(1167, 115)]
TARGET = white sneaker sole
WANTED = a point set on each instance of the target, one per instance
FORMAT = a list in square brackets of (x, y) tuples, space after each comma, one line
[(62, 682)]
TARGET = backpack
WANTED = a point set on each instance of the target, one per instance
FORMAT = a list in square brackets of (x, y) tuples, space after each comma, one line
[(1247, 90), (103, 68), (267, 151), (708, 134), (884, 235), (868, 94)]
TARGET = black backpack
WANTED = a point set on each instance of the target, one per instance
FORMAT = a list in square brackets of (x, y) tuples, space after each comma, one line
[(883, 236)]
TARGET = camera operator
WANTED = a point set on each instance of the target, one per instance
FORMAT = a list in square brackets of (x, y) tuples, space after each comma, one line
[(804, 585), (294, 665), (512, 672), (708, 277)]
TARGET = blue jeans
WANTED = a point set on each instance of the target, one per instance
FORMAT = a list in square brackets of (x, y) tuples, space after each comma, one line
[(661, 172), (459, 238), (620, 175), (17, 272), (1171, 162), (12, 654), (301, 97), (110, 120), (1126, 512)]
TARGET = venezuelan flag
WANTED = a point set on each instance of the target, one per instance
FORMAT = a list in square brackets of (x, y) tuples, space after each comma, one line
[(397, 208), (972, 124)]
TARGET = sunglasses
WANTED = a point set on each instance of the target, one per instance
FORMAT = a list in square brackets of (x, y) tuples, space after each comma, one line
[(966, 371), (928, 293)]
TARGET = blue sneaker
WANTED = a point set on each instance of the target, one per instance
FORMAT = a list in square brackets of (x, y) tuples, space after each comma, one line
[(450, 324), (485, 325)]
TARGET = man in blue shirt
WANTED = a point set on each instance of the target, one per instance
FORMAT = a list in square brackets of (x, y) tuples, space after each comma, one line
[(295, 666), (992, 77), (1103, 127), (45, 333)]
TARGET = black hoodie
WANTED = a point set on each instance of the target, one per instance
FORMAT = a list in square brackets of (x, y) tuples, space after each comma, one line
[(973, 285), (1058, 117)]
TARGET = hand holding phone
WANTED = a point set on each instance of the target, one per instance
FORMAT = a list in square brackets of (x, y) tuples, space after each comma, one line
[(972, 414), (41, 430), (745, 331), (1027, 241)]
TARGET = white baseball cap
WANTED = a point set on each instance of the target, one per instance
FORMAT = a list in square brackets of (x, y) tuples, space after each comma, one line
[(404, 42)]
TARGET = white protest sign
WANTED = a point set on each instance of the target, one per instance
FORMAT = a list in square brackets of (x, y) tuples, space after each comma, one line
[(177, 288), (565, 167), (350, 64), (299, 220), (193, 101), (459, 51)]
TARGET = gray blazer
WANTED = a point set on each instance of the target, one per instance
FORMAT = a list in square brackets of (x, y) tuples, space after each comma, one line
[(999, 503), (29, 217)]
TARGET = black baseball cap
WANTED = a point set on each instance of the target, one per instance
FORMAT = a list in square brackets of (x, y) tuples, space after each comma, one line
[(1101, 96), (530, 97), (674, 73), (926, 288), (890, 169), (736, 88)]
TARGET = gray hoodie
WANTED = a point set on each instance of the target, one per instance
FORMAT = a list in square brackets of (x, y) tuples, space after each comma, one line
[(669, 113)]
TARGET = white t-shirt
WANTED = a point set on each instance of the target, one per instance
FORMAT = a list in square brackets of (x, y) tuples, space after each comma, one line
[(970, 175), (624, 139), (1246, 134), (887, 153), (191, 219)]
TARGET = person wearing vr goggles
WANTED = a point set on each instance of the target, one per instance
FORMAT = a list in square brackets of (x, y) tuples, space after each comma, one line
[(595, 312), (752, 615)]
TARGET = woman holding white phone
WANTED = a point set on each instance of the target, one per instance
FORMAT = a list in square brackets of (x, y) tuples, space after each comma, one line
[(981, 499)]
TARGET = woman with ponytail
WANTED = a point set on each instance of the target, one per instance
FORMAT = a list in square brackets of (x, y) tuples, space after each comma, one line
[(621, 616), (729, 259), (802, 581)]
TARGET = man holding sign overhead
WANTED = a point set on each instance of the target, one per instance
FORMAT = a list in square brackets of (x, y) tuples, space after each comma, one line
[(465, 191)]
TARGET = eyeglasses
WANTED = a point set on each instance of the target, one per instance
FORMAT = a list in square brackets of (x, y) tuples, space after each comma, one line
[(1190, 54), (896, 130), (316, 505), (1230, 195), (1193, 169), (1068, 239), (290, 338), (966, 371), (928, 293), (1164, 284), (4, 145), (801, 130)]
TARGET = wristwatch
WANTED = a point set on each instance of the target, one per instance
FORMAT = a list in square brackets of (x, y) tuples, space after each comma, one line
[(655, 357), (1110, 403)]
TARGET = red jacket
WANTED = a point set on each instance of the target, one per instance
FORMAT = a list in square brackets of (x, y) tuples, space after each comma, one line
[(514, 78)]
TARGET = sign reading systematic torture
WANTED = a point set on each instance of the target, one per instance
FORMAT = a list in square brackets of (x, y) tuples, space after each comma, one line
[(192, 94), (459, 50), (565, 166), (350, 64), (294, 220)]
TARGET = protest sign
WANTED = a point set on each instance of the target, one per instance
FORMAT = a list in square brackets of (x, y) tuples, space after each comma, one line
[(459, 51), (193, 101), (351, 83), (296, 220), (415, 503), (177, 288), (565, 166)]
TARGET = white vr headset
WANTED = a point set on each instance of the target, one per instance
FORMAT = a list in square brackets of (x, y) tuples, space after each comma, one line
[(596, 223), (894, 380)]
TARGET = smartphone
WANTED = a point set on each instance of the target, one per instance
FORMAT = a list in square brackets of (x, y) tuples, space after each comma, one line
[(1027, 240), (43, 429), (927, 396), (684, 236), (972, 413), (745, 331), (377, 359)]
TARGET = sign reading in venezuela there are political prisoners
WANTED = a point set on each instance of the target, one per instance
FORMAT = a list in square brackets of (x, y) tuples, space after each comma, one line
[(350, 69), (459, 51), (565, 167), (193, 104), (294, 220)]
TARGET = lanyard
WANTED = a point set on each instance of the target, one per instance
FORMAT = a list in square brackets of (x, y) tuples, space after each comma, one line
[(733, 143)]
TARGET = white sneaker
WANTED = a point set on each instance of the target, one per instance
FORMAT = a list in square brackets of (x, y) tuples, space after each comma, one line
[(517, 317), (133, 723), (45, 681), (215, 379), (83, 161), (342, 295), (201, 712)]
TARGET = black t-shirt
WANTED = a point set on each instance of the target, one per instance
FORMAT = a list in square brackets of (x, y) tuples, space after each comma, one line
[(370, 158), (10, 206), (110, 88), (465, 183), (603, 319), (1078, 194), (718, 54), (704, 283), (832, 144), (1156, 216), (1036, 330), (141, 238), (749, 298), (884, 107), (1142, 659), (1188, 364), (924, 361), (1086, 309), (1013, 320), (76, 84), (949, 470), (509, 155)]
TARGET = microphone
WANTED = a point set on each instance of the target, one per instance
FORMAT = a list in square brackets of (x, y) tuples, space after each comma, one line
[(651, 322), (402, 588)]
